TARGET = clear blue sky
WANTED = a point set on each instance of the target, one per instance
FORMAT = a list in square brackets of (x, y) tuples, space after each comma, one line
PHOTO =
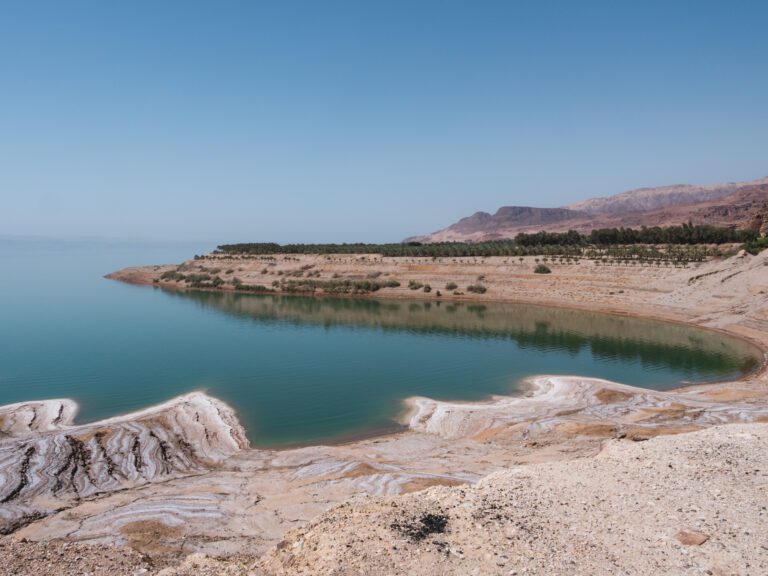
[(363, 120)]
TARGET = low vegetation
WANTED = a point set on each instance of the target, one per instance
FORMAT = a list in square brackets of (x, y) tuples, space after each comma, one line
[(542, 269), (336, 286), (172, 275), (756, 246), (204, 280)]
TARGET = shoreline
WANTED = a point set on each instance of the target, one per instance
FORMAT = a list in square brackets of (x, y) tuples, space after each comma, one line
[(759, 340), (149, 472), (398, 426)]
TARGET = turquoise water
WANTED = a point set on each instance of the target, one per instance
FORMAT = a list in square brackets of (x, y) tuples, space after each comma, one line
[(301, 370)]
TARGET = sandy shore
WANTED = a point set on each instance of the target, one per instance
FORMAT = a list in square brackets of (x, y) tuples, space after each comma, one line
[(725, 294), (258, 509)]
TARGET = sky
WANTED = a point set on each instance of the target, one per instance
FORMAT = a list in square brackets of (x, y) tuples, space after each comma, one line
[(363, 120)]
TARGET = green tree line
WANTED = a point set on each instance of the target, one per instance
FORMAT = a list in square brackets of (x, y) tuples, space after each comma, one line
[(565, 243)]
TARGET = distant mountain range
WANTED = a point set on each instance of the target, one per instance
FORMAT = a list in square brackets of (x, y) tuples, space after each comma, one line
[(740, 204)]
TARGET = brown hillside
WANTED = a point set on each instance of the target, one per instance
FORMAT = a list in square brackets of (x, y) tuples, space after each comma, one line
[(719, 205)]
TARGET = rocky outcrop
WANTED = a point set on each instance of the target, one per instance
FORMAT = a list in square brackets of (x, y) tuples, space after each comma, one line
[(47, 461), (731, 204), (508, 216), (760, 220), (648, 199), (574, 405)]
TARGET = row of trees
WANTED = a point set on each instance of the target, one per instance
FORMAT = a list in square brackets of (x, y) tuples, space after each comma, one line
[(684, 234), (566, 243)]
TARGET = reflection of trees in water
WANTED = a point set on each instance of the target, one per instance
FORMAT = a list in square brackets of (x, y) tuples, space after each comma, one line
[(538, 328)]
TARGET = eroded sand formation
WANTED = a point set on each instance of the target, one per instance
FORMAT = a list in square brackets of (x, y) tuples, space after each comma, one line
[(48, 464), (533, 458)]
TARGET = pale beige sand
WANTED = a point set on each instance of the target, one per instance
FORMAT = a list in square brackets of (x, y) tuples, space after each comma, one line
[(621, 512)]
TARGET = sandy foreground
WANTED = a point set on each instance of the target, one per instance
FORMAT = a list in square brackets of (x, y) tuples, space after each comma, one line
[(580, 476)]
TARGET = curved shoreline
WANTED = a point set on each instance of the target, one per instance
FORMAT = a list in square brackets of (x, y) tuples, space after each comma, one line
[(761, 344), (660, 284), (408, 402), (653, 312), (150, 473)]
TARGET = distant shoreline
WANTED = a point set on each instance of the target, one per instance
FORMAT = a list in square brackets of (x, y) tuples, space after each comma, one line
[(501, 279)]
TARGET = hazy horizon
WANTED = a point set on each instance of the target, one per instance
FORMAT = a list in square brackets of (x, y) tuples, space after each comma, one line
[(362, 121)]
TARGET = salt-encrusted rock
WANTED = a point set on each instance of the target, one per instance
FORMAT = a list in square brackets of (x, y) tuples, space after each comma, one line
[(26, 418), (46, 461), (578, 405)]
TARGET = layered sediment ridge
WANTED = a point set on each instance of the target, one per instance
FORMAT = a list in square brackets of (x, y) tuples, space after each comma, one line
[(203, 483), (572, 404), (47, 462)]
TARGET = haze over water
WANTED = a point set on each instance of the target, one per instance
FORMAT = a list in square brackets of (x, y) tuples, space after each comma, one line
[(296, 369)]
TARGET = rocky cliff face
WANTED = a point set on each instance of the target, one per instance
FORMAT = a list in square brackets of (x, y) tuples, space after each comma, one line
[(508, 216), (646, 199), (730, 204), (760, 220)]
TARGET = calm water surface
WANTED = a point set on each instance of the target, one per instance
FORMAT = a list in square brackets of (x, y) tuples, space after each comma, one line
[(301, 370)]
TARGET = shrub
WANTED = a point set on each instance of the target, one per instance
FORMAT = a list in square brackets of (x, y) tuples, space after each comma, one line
[(197, 279), (542, 269), (451, 286), (427, 288), (413, 285), (337, 286), (756, 246), (477, 289), (172, 275)]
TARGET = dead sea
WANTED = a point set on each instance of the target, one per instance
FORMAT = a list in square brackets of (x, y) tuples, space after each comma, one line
[(182, 474)]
